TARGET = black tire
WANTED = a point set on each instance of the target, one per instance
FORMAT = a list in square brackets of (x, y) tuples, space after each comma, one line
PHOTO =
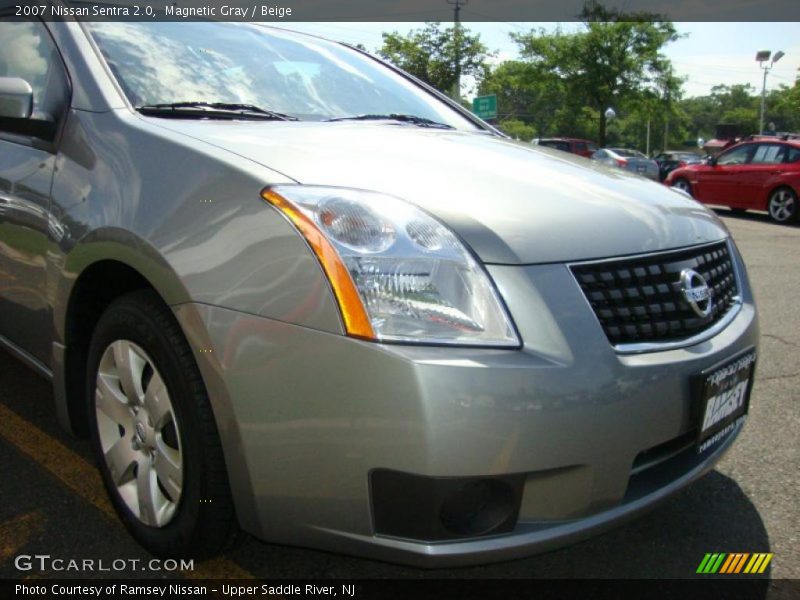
[(782, 206), (203, 520)]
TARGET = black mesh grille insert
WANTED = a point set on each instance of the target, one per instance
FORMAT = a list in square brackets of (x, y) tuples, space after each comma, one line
[(640, 299)]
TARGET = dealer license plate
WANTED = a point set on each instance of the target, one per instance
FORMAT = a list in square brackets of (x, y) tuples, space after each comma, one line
[(724, 397)]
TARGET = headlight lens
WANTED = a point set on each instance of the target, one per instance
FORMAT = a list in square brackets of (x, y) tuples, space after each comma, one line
[(397, 273)]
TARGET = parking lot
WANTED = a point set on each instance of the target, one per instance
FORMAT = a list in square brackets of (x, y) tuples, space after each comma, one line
[(52, 501)]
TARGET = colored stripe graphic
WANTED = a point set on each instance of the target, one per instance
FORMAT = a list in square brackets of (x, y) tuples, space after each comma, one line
[(759, 562), (702, 567), (741, 562), (729, 563), (711, 563), (717, 565), (734, 562), (765, 563)]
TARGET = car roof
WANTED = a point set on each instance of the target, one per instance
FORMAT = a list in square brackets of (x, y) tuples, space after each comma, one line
[(760, 139)]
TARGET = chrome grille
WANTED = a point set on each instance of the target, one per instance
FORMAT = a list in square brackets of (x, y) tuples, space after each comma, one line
[(640, 299)]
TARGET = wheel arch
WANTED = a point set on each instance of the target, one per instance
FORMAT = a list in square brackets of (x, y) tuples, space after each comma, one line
[(94, 275), (774, 188), (684, 177), (97, 270)]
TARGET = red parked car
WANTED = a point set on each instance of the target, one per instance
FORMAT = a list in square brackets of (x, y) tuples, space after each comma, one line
[(760, 173), (567, 144)]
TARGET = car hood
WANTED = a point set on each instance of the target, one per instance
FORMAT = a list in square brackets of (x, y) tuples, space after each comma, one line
[(512, 202)]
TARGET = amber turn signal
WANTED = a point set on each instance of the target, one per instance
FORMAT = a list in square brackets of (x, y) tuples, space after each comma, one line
[(354, 315)]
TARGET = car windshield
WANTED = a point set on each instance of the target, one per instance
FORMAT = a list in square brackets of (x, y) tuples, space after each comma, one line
[(246, 64)]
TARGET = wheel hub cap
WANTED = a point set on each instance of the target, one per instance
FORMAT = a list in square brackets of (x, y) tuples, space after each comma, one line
[(781, 206), (138, 433)]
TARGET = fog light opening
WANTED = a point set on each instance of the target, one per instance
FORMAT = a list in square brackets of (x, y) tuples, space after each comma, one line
[(478, 507)]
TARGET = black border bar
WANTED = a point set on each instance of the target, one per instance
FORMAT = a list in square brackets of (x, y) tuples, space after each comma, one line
[(730, 587), (394, 11)]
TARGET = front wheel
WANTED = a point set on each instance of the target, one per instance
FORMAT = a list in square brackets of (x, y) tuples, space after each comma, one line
[(782, 205), (683, 185), (154, 434)]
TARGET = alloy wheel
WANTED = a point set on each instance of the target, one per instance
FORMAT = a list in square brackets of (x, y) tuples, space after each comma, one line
[(138, 433), (683, 185), (782, 205)]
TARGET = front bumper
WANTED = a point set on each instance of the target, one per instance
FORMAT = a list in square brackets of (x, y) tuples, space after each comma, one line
[(306, 417)]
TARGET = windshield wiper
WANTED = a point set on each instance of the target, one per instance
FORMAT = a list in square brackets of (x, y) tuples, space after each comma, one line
[(412, 119), (212, 110)]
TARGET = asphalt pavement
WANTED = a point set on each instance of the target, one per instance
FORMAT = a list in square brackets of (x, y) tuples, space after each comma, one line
[(52, 502)]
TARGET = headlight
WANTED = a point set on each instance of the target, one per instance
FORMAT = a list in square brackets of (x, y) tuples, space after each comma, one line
[(397, 273)]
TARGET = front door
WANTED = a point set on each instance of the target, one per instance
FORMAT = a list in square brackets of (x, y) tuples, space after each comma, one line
[(721, 183), (26, 173)]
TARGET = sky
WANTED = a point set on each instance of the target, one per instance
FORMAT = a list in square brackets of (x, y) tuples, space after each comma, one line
[(710, 54)]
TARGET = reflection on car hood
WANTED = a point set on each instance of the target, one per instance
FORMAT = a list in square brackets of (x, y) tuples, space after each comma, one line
[(514, 203)]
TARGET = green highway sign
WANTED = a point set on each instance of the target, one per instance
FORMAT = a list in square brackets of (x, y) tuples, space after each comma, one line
[(485, 106)]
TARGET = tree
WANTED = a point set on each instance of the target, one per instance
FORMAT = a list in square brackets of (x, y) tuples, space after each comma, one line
[(430, 54), (735, 104), (613, 61), (516, 129), (525, 95), (741, 105), (783, 108)]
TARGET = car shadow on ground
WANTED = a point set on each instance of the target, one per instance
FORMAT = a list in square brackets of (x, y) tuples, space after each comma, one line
[(712, 515), (750, 215)]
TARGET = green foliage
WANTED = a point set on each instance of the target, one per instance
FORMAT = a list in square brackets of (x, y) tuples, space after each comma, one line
[(526, 94), (614, 62), (517, 129), (563, 82), (783, 108), (431, 54), (741, 105)]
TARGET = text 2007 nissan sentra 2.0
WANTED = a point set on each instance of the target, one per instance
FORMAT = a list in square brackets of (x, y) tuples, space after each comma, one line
[(287, 288)]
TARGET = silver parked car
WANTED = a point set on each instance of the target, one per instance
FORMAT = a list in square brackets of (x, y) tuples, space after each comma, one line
[(630, 160), (287, 288)]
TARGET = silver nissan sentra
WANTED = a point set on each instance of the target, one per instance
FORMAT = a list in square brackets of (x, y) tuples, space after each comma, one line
[(289, 289)]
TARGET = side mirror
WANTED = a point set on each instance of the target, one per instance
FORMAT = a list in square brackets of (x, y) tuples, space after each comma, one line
[(712, 161), (16, 98)]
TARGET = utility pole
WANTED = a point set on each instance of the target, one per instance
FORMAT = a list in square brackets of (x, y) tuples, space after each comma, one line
[(457, 4), (763, 101), (667, 99), (762, 57)]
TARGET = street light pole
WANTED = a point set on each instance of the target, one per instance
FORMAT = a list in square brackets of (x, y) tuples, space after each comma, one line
[(762, 57), (763, 100), (457, 4)]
